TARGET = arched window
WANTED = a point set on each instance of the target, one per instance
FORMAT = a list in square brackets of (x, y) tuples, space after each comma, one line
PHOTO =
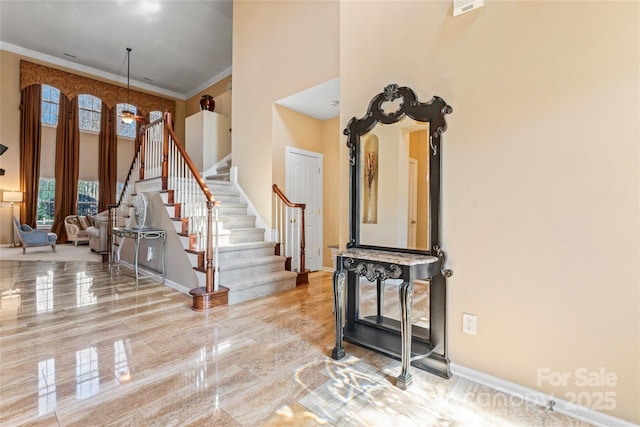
[(50, 101), (89, 110), (126, 129), (155, 115)]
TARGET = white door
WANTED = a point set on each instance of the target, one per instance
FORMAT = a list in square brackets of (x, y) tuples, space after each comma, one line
[(412, 220), (304, 185)]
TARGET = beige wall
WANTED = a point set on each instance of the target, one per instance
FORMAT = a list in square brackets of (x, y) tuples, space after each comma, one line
[(181, 114), (277, 52), (10, 129), (9, 135), (332, 166), (540, 175), (321, 136), (88, 169), (292, 129)]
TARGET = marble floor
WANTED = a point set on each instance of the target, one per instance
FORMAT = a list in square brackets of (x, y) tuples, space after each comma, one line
[(80, 347)]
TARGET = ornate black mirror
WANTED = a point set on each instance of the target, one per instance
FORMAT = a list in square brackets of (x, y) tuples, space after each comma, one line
[(394, 235), (395, 173)]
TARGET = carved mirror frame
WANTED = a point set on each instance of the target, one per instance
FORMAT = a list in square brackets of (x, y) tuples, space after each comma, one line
[(432, 112)]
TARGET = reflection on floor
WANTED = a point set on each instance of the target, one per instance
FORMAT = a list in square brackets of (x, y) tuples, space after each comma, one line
[(80, 347)]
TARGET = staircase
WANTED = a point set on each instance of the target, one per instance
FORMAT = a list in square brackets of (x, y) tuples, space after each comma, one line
[(247, 265)]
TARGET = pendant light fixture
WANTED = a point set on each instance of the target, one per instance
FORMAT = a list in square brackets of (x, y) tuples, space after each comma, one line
[(128, 116)]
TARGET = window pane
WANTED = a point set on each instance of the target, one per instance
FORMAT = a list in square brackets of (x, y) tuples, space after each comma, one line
[(46, 198), (87, 197), (50, 100), (84, 101), (89, 111), (155, 115)]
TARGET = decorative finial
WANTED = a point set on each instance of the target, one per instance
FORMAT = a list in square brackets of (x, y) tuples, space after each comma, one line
[(391, 92)]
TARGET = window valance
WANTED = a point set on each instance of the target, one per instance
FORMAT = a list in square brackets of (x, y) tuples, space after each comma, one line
[(72, 85)]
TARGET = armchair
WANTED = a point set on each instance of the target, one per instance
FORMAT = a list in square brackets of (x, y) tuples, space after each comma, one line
[(30, 237), (76, 233)]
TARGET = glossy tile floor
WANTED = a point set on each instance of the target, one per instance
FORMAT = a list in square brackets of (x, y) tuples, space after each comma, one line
[(79, 347)]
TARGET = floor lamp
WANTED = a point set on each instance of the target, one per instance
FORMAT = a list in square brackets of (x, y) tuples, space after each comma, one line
[(13, 197)]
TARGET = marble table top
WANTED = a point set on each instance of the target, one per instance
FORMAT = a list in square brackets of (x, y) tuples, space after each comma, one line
[(391, 257)]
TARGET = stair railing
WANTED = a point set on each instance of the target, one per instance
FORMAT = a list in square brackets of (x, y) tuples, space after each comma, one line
[(288, 237), (161, 155)]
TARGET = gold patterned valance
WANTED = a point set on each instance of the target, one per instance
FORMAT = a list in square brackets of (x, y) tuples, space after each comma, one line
[(72, 85)]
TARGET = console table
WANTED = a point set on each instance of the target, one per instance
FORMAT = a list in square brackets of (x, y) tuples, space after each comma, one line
[(137, 234), (385, 335), (369, 254)]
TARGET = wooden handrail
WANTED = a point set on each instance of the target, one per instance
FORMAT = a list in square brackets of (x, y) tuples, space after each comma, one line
[(168, 133), (285, 200), (141, 131), (210, 286), (188, 161), (302, 207), (133, 164)]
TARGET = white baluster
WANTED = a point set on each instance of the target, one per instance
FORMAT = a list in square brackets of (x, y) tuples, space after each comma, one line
[(296, 238), (275, 224)]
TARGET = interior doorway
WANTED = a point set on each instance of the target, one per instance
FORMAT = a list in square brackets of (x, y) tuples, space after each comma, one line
[(304, 185)]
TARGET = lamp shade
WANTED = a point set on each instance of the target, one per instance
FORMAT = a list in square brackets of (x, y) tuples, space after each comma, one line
[(12, 196), (127, 117)]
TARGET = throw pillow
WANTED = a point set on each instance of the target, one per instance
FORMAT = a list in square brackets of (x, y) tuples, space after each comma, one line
[(25, 227), (91, 220), (84, 224)]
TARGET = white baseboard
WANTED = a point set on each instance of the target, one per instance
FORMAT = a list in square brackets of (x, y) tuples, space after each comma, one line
[(145, 273), (251, 210), (177, 286), (214, 169), (570, 409)]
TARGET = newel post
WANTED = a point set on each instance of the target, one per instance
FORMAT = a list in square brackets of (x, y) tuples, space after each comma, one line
[(303, 274), (212, 294), (302, 242), (209, 254)]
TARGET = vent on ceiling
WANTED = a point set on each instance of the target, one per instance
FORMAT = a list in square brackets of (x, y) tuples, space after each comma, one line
[(463, 6)]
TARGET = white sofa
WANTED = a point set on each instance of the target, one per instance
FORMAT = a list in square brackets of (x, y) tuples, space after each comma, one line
[(98, 233)]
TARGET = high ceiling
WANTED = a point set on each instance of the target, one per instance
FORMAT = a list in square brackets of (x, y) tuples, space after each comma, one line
[(178, 47)]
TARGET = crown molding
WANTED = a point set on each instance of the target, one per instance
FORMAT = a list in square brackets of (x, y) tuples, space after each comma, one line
[(93, 71)]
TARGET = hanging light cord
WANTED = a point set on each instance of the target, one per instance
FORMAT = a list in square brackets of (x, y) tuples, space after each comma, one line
[(128, 71), (127, 114)]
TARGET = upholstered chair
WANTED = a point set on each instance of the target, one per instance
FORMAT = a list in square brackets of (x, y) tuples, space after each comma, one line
[(76, 229), (30, 237), (98, 233)]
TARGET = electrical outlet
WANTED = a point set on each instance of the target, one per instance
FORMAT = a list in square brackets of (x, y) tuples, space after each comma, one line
[(469, 323), (149, 253)]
